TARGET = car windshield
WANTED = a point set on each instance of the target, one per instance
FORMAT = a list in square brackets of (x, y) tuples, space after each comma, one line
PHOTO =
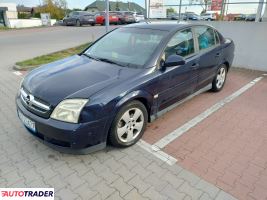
[(129, 47)]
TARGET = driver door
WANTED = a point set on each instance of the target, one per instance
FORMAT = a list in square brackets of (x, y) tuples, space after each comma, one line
[(178, 82)]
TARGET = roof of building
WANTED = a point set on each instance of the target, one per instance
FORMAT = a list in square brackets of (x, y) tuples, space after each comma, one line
[(128, 6)]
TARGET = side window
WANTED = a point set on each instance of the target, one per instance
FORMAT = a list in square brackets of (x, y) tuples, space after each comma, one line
[(182, 43), (205, 37)]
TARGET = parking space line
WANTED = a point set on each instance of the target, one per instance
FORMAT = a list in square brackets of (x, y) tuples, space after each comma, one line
[(17, 73), (193, 122), (157, 152)]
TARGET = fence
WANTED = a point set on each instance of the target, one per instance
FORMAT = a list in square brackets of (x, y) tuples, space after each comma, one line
[(228, 10)]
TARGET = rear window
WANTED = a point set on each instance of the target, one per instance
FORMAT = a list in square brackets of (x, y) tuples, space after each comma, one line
[(205, 37)]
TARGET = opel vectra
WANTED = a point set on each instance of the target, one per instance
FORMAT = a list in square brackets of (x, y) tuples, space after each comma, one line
[(122, 81)]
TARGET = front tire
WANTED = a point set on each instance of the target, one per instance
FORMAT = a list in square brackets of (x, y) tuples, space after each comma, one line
[(220, 78), (129, 124), (78, 23)]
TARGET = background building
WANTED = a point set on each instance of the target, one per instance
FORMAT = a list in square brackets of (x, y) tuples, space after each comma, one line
[(7, 11), (98, 6)]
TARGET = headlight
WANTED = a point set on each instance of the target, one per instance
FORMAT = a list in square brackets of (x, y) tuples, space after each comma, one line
[(69, 110)]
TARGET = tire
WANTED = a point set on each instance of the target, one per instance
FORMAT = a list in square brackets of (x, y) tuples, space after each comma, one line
[(65, 23), (78, 23), (220, 78), (123, 133), (93, 24)]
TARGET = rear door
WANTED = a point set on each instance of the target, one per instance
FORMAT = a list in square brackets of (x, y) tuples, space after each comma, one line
[(179, 81), (209, 54)]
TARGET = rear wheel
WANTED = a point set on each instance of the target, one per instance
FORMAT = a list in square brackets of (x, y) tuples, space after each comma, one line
[(129, 124), (220, 78)]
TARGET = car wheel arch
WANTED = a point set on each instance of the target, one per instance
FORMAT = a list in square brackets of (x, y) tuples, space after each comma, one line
[(144, 97)]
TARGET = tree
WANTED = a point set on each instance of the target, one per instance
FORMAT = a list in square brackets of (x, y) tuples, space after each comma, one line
[(205, 2), (56, 8), (117, 6)]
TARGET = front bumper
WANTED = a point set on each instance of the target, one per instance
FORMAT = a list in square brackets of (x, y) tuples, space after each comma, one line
[(66, 137)]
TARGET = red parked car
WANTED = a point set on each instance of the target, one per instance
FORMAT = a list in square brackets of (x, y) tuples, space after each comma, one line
[(100, 18)]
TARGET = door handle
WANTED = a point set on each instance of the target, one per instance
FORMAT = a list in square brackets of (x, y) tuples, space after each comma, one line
[(217, 54), (194, 65)]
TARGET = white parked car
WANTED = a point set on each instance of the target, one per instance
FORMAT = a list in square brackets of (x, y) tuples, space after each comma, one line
[(208, 16), (138, 17)]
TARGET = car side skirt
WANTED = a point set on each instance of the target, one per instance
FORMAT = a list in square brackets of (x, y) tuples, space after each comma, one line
[(165, 110)]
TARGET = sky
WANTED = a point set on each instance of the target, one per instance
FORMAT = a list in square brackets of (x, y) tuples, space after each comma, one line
[(246, 9)]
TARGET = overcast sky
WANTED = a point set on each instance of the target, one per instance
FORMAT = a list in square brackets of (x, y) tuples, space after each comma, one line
[(246, 9)]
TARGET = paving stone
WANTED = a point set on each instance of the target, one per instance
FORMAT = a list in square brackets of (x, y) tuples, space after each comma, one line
[(91, 178), (103, 189), (66, 194), (139, 184), (158, 184), (224, 196), (210, 189), (74, 181), (121, 186), (152, 194), (108, 175), (191, 191), (114, 196), (188, 176), (171, 192), (141, 171), (125, 173), (134, 195), (85, 192), (205, 196), (154, 167), (172, 179)]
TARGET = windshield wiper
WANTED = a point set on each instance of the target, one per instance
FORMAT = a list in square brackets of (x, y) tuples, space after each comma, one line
[(103, 60), (91, 57), (110, 61)]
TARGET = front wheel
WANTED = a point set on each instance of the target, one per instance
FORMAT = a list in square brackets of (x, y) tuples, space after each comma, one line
[(220, 78), (129, 124), (78, 23)]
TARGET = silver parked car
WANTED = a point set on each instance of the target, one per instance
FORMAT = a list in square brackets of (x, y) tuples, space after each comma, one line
[(79, 18)]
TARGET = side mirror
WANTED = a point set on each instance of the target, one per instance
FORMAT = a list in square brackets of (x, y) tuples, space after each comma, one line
[(174, 60)]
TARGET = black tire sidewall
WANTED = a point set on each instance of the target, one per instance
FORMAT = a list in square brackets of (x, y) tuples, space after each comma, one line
[(113, 136)]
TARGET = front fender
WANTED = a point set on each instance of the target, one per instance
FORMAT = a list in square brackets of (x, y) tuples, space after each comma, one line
[(138, 94)]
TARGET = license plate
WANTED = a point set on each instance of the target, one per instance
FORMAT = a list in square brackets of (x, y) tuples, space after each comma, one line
[(90, 20), (27, 122)]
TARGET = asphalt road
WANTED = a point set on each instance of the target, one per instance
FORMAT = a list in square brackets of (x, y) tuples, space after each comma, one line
[(18, 45)]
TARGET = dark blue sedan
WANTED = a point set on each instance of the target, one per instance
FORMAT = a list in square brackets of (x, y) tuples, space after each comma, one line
[(125, 79)]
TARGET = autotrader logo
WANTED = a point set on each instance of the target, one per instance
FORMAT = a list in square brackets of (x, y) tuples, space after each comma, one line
[(27, 193)]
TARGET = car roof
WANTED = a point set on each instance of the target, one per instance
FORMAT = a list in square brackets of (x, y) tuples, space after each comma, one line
[(164, 26)]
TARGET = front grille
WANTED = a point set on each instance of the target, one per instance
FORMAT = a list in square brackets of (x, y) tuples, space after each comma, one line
[(34, 104)]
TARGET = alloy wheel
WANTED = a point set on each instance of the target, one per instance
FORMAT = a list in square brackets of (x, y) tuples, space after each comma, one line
[(220, 77), (130, 125)]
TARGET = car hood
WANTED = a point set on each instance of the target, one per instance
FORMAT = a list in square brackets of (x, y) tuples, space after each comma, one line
[(74, 77)]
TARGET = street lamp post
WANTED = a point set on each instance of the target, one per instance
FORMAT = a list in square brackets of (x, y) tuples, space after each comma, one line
[(180, 7), (107, 16)]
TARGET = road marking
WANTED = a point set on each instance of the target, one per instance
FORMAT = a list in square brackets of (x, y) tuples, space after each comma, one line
[(157, 152), (193, 122), (17, 73)]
